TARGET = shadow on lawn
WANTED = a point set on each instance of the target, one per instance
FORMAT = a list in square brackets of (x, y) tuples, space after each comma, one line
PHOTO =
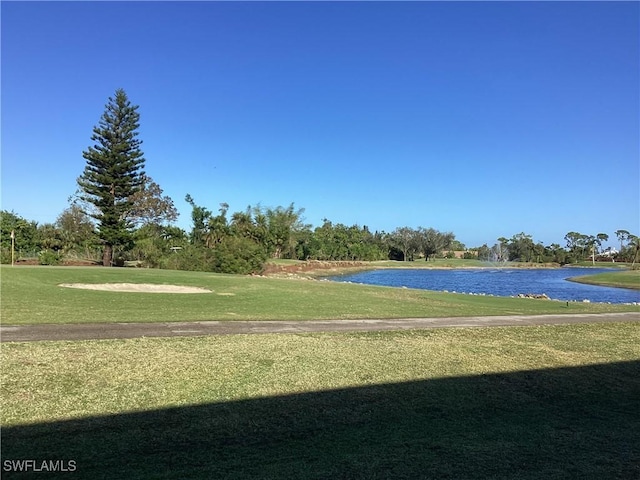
[(581, 422)]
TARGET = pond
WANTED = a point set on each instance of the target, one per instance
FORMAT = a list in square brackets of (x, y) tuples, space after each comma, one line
[(504, 282)]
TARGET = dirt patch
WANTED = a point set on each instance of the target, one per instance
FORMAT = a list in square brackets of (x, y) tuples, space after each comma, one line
[(65, 262), (136, 287), (312, 266)]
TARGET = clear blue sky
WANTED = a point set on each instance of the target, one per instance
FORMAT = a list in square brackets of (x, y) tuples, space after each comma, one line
[(484, 119)]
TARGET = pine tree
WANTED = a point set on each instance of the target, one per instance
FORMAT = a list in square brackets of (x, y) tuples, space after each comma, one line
[(113, 173)]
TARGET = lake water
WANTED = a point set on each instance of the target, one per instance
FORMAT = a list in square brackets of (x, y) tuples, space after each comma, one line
[(500, 282)]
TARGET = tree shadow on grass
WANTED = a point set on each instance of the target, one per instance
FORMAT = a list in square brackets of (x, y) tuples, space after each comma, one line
[(581, 422)]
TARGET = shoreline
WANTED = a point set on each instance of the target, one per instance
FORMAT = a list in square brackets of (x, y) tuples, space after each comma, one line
[(587, 280), (321, 270)]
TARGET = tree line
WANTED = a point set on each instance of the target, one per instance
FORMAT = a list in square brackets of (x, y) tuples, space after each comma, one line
[(242, 242), (119, 214), (579, 247)]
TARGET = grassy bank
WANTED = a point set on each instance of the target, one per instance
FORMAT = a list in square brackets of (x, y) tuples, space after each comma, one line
[(624, 279), (518, 402), (33, 295)]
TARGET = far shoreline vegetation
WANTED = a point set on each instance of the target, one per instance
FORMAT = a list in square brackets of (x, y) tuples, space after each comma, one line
[(267, 239), (222, 246)]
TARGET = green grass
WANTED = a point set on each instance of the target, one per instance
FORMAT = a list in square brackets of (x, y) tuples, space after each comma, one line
[(33, 295), (504, 402), (285, 261), (590, 263), (624, 279)]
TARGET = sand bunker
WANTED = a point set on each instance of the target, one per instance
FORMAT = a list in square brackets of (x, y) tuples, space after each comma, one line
[(136, 287)]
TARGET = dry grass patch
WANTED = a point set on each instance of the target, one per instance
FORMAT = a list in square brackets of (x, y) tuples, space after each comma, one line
[(500, 402), (71, 379)]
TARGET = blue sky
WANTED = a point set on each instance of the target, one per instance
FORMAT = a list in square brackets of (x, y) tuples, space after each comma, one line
[(484, 118)]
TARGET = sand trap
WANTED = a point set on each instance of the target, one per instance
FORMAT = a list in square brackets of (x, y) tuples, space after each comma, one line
[(136, 287)]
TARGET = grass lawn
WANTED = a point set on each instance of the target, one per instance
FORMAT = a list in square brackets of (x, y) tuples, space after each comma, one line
[(439, 263), (33, 295), (501, 403), (624, 279)]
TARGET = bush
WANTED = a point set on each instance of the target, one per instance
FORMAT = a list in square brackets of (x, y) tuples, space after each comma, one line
[(239, 255), (196, 259), (49, 257), (150, 252), (232, 255)]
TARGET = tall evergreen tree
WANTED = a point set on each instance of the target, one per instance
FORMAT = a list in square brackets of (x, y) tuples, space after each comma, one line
[(114, 172)]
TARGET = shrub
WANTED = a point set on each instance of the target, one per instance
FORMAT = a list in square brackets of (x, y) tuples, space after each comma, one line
[(49, 257), (239, 255), (233, 255), (190, 258)]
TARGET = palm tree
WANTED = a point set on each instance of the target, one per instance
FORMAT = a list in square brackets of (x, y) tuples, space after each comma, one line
[(634, 242), (217, 227), (622, 236), (597, 240)]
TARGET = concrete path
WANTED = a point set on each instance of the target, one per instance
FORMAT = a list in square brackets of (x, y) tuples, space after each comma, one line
[(93, 331)]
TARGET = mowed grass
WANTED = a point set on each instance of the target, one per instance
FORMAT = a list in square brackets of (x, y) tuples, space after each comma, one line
[(33, 295), (503, 402), (624, 279)]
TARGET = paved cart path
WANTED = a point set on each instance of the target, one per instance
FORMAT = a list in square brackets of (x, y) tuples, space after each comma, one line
[(94, 331)]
